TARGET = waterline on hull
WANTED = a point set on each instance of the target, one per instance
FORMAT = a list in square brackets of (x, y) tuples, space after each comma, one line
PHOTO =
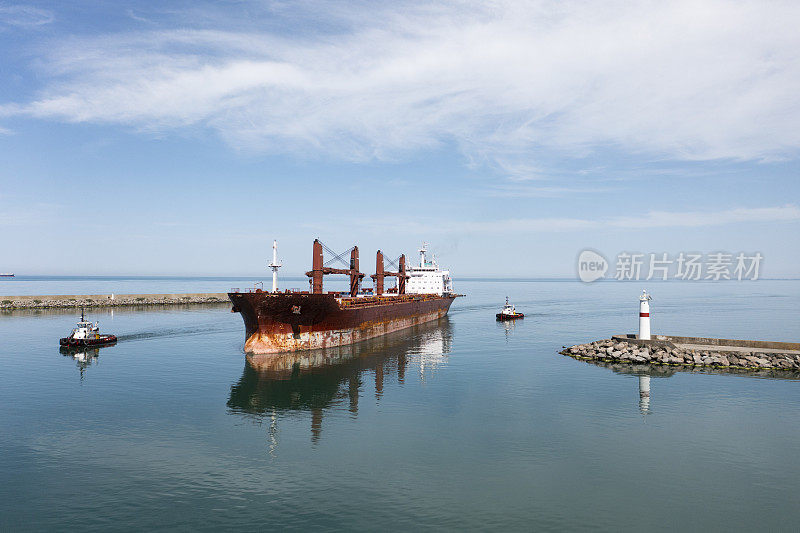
[(265, 343)]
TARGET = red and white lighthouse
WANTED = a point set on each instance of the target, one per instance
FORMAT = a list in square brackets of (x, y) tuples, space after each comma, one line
[(644, 316)]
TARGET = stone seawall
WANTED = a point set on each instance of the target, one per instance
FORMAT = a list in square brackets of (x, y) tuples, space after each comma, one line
[(634, 351), (106, 300)]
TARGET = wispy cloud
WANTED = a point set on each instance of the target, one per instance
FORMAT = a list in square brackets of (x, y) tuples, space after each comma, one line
[(692, 219), (652, 219), (684, 80), (24, 16), (34, 214), (131, 14), (644, 220), (514, 190)]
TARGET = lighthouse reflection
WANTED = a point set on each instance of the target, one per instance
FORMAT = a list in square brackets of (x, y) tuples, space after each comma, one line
[(315, 381), (644, 373)]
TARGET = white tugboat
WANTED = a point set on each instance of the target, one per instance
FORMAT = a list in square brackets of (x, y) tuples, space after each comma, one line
[(87, 334), (509, 312)]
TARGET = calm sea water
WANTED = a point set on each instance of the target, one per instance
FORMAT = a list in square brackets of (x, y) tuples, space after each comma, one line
[(462, 424)]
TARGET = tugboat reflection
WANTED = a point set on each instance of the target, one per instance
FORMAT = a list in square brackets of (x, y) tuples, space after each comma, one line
[(507, 326), (273, 384), (84, 357)]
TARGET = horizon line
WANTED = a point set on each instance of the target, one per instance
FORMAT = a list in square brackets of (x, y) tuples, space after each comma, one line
[(267, 276)]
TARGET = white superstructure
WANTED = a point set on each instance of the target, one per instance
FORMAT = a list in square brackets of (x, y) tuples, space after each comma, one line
[(508, 309), (427, 278), (85, 329)]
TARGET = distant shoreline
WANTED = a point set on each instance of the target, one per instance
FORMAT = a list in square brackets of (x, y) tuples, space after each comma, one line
[(261, 277), (108, 300)]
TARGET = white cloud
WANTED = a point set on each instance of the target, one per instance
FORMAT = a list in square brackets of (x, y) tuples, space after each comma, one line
[(652, 219), (136, 17), (24, 16), (425, 227), (33, 214), (530, 191), (666, 219), (683, 80)]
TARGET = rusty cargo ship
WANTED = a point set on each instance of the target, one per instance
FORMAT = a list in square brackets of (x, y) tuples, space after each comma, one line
[(294, 320)]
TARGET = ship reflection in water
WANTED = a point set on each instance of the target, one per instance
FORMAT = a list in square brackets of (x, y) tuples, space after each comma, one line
[(84, 357), (507, 326), (316, 380)]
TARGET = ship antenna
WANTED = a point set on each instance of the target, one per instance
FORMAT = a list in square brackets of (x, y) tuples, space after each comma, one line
[(422, 251), (275, 265), (82, 319)]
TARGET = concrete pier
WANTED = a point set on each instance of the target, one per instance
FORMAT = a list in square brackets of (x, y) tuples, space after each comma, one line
[(691, 351), (108, 300)]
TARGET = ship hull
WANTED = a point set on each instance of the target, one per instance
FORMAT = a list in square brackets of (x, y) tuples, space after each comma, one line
[(101, 340), (503, 316), (288, 322)]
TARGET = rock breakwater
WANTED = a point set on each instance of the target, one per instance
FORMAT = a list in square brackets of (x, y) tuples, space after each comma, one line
[(108, 300), (623, 351)]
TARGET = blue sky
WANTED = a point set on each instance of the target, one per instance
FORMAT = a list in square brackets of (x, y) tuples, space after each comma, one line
[(182, 137)]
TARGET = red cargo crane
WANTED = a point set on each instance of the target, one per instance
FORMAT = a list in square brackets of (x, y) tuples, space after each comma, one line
[(320, 269)]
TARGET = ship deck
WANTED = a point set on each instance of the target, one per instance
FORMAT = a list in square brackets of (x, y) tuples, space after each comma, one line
[(374, 301), (353, 302)]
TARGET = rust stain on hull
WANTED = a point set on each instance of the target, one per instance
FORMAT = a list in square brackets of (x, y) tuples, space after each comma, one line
[(287, 322)]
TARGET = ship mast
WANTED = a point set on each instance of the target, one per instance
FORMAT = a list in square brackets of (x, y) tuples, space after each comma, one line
[(422, 254), (275, 265)]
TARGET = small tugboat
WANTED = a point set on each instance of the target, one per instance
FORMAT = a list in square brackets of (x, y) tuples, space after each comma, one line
[(509, 312), (87, 334)]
